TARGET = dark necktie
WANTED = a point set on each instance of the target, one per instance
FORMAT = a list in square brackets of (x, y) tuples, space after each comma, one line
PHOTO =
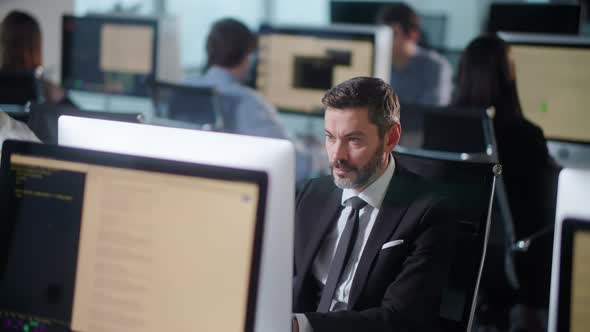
[(343, 250)]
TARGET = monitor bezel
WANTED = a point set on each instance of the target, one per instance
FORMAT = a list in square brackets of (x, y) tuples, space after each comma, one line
[(497, 9), (569, 227), (149, 164), (151, 22)]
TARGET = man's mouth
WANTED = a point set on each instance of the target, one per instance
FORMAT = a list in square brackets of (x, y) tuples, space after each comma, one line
[(341, 171)]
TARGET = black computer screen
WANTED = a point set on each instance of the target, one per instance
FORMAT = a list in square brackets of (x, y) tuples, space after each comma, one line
[(40, 215), (538, 18), (108, 54), (93, 241), (433, 26), (355, 12)]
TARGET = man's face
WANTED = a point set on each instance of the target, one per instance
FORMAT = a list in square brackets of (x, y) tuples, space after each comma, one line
[(356, 153), (401, 38)]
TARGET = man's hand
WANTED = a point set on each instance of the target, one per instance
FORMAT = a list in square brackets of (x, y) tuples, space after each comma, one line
[(295, 325)]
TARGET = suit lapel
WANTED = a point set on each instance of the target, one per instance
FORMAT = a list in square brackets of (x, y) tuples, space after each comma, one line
[(390, 215), (318, 227)]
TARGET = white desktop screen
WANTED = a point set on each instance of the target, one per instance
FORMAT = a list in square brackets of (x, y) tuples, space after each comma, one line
[(297, 65), (275, 157), (552, 80)]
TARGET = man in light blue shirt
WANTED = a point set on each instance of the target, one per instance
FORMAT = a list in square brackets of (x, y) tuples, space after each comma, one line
[(419, 76), (229, 46)]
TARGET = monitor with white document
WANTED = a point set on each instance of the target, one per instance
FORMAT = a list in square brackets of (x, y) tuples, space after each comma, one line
[(552, 80), (109, 54), (297, 64), (96, 241), (273, 156), (568, 306), (120, 55)]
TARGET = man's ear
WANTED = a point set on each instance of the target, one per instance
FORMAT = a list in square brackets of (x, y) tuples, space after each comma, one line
[(414, 35), (392, 136)]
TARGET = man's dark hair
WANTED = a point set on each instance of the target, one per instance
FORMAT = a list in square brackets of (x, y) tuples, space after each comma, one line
[(228, 43), (370, 92), (399, 13)]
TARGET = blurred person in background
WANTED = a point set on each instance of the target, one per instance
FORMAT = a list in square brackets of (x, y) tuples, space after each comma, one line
[(487, 78), (419, 76)]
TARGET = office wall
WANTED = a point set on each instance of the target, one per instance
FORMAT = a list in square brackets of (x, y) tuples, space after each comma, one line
[(197, 16), (48, 13)]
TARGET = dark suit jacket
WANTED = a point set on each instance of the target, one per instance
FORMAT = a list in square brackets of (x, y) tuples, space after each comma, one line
[(394, 289)]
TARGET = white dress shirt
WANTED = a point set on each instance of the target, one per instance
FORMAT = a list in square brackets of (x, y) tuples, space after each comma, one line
[(373, 195)]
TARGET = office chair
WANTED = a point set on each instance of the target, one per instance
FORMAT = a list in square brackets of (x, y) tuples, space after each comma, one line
[(197, 105), (468, 134), (469, 190), (43, 119), (20, 87), (19, 116)]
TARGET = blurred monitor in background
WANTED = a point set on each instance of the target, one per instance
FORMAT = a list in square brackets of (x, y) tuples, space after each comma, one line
[(296, 64), (535, 17), (553, 80), (433, 29), (109, 54)]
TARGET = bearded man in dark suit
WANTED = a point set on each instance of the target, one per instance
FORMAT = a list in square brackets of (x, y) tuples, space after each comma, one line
[(372, 244)]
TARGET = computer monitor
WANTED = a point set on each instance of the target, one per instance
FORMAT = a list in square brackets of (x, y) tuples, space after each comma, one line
[(273, 156), (573, 311), (535, 18), (297, 65), (199, 105), (109, 54), (95, 241), (552, 80), (433, 26), (571, 208)]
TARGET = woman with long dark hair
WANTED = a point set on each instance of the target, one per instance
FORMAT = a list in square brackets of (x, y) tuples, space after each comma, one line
[(487, 78), (20, 50)]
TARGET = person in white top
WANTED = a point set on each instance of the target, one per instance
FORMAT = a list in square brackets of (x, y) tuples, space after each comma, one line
[(13, 129)]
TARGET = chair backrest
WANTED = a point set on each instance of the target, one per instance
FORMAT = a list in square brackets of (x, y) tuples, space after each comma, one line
[(20, 116), (198, 105), (20, 87), (468, 134), (448, 129), (43, 119), (469, 190)]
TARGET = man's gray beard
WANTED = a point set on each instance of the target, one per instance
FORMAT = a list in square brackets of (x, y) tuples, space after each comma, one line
[(364, 176)]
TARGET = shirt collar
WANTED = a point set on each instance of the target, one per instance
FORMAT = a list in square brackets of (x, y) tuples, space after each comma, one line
[(375, 192), (220, 75)]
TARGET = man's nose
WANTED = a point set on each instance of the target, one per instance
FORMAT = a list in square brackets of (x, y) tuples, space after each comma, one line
[(339, 152)]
